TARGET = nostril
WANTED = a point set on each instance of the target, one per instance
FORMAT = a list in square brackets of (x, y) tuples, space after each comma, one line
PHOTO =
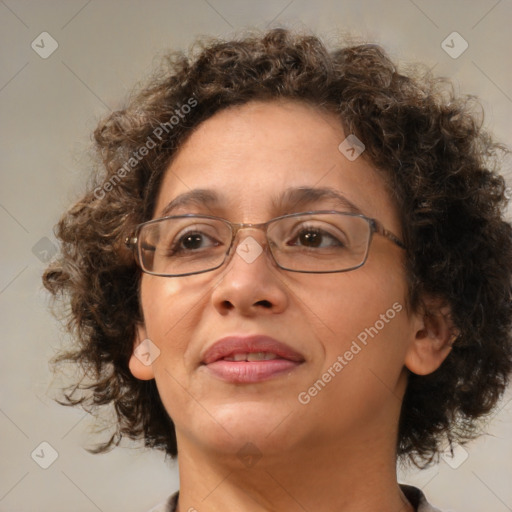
[(226, 304), (264, 303)]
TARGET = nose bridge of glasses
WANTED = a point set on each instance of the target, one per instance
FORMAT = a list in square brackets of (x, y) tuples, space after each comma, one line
[(242, 231), (250, 242)]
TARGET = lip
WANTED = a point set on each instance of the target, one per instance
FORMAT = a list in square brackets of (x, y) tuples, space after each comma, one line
[(250, 371)]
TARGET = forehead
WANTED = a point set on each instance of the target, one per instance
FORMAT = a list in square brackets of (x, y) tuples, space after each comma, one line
[(253, 154)]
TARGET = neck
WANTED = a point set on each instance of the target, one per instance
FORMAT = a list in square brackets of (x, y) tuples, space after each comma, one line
[(322, 477)]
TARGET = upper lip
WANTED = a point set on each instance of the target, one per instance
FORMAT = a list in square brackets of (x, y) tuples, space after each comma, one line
[(231, 345)]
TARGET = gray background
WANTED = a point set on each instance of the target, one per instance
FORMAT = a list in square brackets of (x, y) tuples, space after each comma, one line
[(48, 109)]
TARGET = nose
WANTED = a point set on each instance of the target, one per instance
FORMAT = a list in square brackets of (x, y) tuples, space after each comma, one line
[(251, 283)]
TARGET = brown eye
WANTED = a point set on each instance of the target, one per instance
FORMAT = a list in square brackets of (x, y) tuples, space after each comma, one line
[(191, 241), (315, 238)]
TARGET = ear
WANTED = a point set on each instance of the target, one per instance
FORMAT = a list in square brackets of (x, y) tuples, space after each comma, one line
[(434, 335), (140, 365)]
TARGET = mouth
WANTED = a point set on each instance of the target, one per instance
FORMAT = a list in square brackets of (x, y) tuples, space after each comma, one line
[(250, 359)]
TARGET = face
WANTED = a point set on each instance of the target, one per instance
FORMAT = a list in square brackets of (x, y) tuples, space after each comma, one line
[(350, 329)]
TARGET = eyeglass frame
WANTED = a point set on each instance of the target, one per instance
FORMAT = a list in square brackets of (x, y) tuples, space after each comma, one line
[(132, 242)]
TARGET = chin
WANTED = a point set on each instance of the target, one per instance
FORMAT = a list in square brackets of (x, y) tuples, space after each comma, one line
[(268, 426)]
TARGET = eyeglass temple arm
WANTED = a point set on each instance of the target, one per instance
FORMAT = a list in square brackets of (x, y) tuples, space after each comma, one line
[(379, 228)]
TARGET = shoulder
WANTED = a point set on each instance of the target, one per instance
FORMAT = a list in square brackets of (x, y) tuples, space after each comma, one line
[(169, 505), (413, 494), (417, 499)]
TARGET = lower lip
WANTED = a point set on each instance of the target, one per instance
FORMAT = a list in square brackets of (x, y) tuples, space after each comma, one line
[(250, 371)]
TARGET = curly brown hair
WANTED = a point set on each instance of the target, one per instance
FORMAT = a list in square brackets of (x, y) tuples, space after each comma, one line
[(428, 142)]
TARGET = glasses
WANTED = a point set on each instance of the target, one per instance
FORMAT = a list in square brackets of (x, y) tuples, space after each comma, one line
[(314, 242)]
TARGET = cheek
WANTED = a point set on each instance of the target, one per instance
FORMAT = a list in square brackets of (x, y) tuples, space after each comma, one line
[(347, 303), (170, 307), (159, 297), (167, 304), (173, 308), (364, 342), (366, 322)]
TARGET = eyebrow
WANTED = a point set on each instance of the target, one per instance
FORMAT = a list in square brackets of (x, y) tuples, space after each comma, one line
[(297, 198), (199, 198), (292, 200)]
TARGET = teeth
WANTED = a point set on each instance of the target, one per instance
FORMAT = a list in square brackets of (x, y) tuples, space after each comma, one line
[(257, 356), (253, 356)]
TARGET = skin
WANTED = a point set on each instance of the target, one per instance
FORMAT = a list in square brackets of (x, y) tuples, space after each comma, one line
[(337, 453)]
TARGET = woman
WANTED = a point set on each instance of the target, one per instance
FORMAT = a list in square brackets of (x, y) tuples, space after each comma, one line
[(292, 269)]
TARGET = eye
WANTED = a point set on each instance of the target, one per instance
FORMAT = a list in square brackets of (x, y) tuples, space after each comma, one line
[(313, 237), (192, 241)]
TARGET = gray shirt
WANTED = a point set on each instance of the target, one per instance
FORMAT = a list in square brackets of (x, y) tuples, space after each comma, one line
[(413, 494)]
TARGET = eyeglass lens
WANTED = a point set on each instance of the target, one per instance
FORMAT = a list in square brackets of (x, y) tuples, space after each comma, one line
[(322, 242)]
